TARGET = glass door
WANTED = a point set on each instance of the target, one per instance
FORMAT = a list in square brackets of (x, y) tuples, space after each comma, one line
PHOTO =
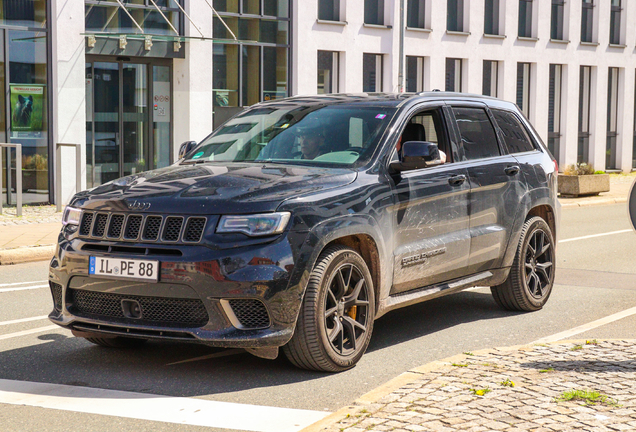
[(121, 137)]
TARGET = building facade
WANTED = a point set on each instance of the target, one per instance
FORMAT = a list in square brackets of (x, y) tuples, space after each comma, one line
[(129, 81)]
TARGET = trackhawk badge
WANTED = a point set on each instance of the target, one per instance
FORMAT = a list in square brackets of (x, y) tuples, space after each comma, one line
[(138, 205)]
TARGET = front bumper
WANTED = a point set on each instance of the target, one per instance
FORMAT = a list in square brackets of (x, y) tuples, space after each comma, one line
[(246, 297)]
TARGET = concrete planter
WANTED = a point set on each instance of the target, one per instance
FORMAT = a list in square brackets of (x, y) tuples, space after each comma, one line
[(575, 185)]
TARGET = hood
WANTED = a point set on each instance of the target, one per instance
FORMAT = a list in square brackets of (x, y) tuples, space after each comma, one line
[(212, 189)]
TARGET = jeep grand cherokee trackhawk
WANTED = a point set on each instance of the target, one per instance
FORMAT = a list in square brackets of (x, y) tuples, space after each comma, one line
[(300, 221)]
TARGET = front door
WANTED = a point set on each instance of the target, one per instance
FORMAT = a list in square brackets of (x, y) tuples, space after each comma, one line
[(127, 118), (432, 237)]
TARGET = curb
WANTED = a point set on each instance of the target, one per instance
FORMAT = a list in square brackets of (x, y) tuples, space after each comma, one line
[(413, 374), (26, 254), (605, 201)]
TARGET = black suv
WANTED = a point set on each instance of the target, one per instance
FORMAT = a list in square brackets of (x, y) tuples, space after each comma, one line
[(300, 221)]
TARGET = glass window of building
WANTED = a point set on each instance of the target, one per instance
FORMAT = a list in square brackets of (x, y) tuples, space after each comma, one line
[(556, 21), (523, 87), (414, 74), (555, 87), (585, 91), (453, 75), (587, 21), (491, 17), (490, 78), (110, 17), (455, 15), (374, 12), (329, 10), (24, 116), (372, 67), (613, 98), (525, 18), (415, 14), (615, 23), (328, 67), (256, 68)]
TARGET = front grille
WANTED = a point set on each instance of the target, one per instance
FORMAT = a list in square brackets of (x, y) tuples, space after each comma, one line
[(251, 313), (159, 311), (87, 222), (100, 224), (194, 229), (56, 292), (115, 226), (135, 227), (151, 229)]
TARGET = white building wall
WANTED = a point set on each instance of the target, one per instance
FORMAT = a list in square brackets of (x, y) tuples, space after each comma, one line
[(352, 38), (69, 101), (192, 80)]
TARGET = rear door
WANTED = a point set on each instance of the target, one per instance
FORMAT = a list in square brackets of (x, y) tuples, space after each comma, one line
[(431, 224), (496, 185)]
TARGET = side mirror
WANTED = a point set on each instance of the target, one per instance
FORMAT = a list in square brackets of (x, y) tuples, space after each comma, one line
[(417, 155), (186, 147)]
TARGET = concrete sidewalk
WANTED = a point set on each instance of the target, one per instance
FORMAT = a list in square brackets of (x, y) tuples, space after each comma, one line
[(514, 389)]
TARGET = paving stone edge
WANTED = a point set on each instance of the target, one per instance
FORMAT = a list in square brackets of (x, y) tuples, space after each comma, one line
[(413, 374), (26, 254)]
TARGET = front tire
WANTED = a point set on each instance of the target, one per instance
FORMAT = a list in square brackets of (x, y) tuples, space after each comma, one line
[(531, 277), (336, 318)]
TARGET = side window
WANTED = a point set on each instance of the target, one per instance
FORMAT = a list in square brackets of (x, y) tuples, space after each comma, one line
[(478, 135), (515, 135), (426, 126)]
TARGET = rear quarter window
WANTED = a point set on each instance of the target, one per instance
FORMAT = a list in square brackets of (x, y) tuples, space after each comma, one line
[(515, 135)]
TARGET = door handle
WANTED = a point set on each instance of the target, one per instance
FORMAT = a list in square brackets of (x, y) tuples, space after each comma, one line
[(457, 180), (512, 170)]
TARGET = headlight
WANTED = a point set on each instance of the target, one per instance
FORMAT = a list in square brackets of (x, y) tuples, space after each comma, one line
[(71, 216), (254, 225)]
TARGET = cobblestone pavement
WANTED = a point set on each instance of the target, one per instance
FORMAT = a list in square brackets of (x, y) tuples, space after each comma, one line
[(442, 397), (30, 215)]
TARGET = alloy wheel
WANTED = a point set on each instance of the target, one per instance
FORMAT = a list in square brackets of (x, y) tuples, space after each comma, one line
[(539, 263)]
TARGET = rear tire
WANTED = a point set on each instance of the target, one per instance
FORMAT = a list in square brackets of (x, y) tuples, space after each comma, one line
[(531, 276), (117, 342), (336, 318)]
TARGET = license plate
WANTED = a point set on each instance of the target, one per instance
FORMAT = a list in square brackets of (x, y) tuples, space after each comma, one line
[(124, 268)]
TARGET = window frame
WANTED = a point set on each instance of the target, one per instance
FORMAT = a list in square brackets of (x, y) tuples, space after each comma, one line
[(515, 115), (455, 61), (458, 23), (495, 27), (559, 32), (336, 11), (452, 105), (615, 31), (587, 27), (421, 12), (381, 16), (528, 22)]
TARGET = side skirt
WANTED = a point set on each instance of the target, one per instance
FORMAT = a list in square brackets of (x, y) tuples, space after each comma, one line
[(487, 278)]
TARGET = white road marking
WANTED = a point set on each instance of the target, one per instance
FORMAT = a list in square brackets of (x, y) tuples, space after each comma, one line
[(22, 283), (17, 321), (23, 288), (188, 411), (224, 353), (595, 235), (28, 332), (589, 326)]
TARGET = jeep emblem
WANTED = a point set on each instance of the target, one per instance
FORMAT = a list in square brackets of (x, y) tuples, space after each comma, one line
[(139, 205)]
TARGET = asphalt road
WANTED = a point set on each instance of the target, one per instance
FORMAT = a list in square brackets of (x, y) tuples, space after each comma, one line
[(596, 277)]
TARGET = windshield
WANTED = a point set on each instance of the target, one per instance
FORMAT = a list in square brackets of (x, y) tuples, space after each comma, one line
[(312, 135)]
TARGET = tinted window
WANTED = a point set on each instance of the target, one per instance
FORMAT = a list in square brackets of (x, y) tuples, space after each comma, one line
[(514, 133), (478, 135)]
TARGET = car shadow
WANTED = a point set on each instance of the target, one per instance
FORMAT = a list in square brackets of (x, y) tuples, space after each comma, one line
[(181, 369)]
